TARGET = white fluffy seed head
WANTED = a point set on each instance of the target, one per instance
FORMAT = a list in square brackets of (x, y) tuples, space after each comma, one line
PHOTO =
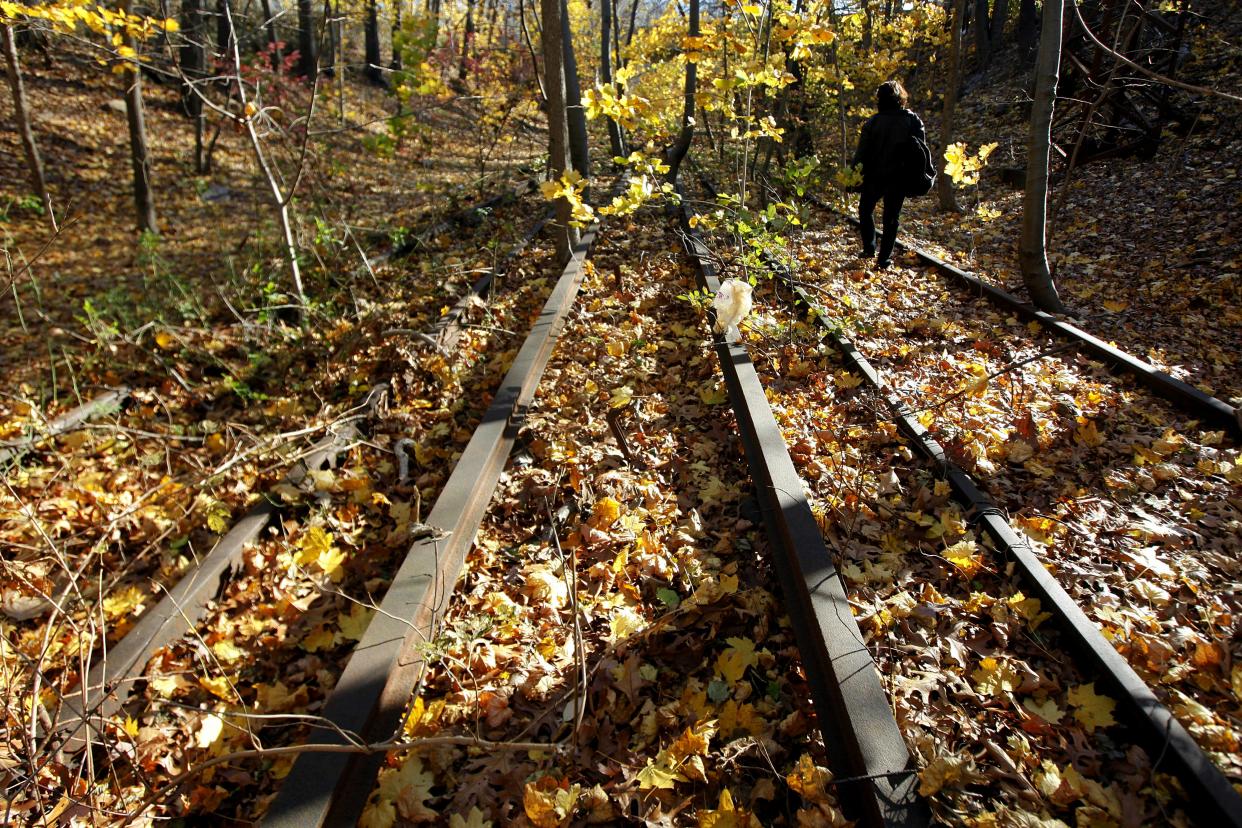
[(732, 303)]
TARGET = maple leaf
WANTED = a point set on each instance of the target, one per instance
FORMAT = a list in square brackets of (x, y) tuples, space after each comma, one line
[(942, 771), (659, 775), (996, 676), (726, 814), (318, 639), (1047, 710), (692, 742), (809, 780), (218, 686), (731, 665), (474, 819), (1091, 709), (226, 650), (550, 802), (963, 556), (354, 625), (315, 544), (403, 792)]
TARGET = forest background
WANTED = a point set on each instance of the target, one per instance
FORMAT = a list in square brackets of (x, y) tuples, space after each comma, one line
[(204, 202)]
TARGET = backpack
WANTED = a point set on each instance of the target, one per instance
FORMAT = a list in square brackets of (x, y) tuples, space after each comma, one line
[(918, 173)]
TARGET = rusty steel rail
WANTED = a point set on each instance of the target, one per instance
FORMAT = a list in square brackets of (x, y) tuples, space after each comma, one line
[(1183, 394), (109, 401), (369, 700), (110, 681), (421, 238), (1209, 793), (878, 781)]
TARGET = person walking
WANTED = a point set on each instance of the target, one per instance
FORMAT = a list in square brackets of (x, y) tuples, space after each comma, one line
[(884, 135)]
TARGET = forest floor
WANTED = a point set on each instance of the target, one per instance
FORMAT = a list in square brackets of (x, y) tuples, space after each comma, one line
[(671, 645)]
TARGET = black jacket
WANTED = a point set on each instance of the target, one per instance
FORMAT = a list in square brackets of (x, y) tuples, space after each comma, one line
[(878, 146)]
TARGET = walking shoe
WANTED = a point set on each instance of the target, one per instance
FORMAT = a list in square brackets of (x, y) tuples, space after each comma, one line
[(883, 263), (868, 252)]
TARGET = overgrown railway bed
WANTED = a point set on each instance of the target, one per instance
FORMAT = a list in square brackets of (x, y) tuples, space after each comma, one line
[(617, 648)]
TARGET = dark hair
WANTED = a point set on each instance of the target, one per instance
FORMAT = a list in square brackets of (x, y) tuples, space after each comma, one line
[(891, 95)]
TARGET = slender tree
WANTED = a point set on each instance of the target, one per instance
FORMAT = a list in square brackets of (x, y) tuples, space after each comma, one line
[(371, 45), (140, 158), (1032, 250), (944, 187), (224, 29), (21, 109), (616, 143), (273, 37), (467, 35), (996, 35), (983, 47), (558, 127), (579, 148), (1028, 29), (677, 152), (308, 56), (193, 58)]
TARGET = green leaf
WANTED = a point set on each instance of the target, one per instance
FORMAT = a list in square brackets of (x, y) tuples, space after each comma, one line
[(668, 598), (717, 690)]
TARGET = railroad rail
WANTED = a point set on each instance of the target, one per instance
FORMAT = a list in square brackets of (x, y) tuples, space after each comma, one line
[(367, 704), (1183, 394), (855, 716), (1214, 799), (109, 682), (11, 452)]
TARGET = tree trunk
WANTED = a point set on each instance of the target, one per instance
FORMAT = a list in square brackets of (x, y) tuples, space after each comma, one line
[(466, 36), (193, 57), (1000, 16), (534, 63), (224, 29), (273, 38), (944, 187), (983, 48), (677, 153), (1032, 251), (579, 148), (308, 57), (140, 158), (396, 36), (615, 143), (21, 111), (1027, 30), (558, 127), (371, 45)]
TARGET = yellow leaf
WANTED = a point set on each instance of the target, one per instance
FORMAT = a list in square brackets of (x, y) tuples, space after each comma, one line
[(165, 340), (318, 639), (209, 731), (220, 687), (605, 512), (693, 741), (996, 676), (963, 556), (226, 650), (1091, 709), (354, 625), (1088, 433), (659, 776), (732, 663), (313, 544), (1048, 711), (752, 9), (474, 819), (1115, 305), (809, 780), (130, 727), (126, 601), (407, 790), (625, 622), (726, 814), (549, 802), (622, 397), (942, 771)]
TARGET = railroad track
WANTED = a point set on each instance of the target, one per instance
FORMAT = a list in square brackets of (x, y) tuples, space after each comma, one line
[(1212, 798), (87, 715), (12, 451), (367, 704), (1189, 398)]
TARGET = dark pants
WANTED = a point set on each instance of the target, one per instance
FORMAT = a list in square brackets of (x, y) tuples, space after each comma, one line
[(893, 199)]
